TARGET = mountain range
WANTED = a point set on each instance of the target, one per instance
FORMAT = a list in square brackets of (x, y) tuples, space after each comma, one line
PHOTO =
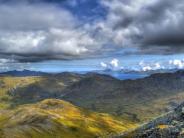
[(22, 73), (121, 105)]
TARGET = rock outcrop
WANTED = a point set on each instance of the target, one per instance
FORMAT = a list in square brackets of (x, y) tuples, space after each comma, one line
[(170, 125)]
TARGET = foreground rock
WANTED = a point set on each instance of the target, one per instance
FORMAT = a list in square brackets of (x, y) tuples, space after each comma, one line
[(170, 125)]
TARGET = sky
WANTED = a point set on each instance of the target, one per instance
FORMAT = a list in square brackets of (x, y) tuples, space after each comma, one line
[(70, 35)]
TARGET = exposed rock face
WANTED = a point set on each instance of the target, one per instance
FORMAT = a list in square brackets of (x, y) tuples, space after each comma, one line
[(170, 125)]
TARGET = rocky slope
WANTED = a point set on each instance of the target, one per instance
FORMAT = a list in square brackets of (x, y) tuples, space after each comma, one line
[(170, 125)]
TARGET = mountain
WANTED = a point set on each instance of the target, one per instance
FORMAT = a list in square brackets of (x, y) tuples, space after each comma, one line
[(136, 100), (22, 73)]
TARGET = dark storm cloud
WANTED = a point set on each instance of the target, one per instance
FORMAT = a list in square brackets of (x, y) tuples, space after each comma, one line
[(166, 21), (168, 37), (148, 23)]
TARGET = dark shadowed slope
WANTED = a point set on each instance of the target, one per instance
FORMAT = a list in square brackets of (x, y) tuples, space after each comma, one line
[(136, 99)]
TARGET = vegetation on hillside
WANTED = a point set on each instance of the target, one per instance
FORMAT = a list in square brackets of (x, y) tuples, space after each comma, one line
[(53, 118)]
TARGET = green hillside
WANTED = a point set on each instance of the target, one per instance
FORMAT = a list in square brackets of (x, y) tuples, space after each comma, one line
[(58, 119)]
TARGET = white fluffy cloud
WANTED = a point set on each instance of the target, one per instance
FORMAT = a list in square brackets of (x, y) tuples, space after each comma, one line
[(42, 30), (177, 63), (112, 65), (143, 66), (54, 41), (150, 66), (104, 65)]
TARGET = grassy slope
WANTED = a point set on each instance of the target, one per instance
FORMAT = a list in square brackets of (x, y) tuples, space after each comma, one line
[(56, 118)]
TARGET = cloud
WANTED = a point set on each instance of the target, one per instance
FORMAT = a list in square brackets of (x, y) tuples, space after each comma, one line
[(151, 66), (152, 23), (143, 66), (42, 31), (168, 65), (11, 64), (112, 65), (104, 65), (161, 65), (177, 63), (4, 64), (33, 30), (34, 17), (53, 43)]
